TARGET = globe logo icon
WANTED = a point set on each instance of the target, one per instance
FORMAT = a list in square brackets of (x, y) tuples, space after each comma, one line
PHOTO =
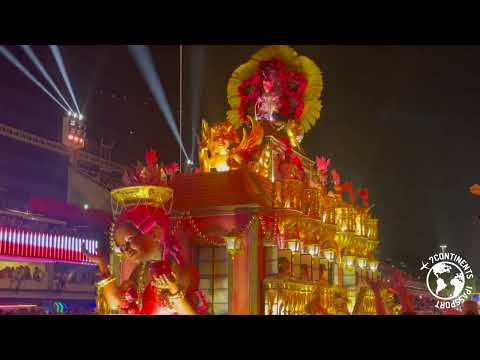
[(445, 280)]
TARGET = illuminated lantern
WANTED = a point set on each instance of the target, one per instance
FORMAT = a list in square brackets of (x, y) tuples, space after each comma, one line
[(329, 254), (313, 250), (349, 261), (373, 264), (233, 244), (294, 245), (362, 263)]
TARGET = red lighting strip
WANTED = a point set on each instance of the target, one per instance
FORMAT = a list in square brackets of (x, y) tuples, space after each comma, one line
[(24, 243), (16, 306)]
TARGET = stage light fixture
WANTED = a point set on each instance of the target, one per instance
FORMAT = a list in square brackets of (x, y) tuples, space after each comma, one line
[(74, 131)]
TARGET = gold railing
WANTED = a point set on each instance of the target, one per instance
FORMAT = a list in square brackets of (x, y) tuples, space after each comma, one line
[(345, 219), (288, 195), (291, 297), (361, 224), (372, 229), (367, 306), (311, 203)]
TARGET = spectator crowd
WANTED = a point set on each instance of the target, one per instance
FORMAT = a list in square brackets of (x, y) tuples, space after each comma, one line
[(72, 277), (17, 274)]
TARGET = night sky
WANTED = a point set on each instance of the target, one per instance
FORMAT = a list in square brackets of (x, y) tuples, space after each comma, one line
[(401, 120)]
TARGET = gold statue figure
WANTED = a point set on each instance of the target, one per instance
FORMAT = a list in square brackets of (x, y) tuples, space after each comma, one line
[(220, 148)]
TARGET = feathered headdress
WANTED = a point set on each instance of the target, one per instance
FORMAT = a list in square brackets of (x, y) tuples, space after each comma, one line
[(297, 81), (335, 177), (322, 165), (151, 173)]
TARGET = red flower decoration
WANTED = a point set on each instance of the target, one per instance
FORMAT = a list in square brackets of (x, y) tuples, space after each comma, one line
[(347, 186), (296, 84), (288, 85), (322, 164), (299, 110), (171, 169), (335, 177), (298, 163), (151, 157)]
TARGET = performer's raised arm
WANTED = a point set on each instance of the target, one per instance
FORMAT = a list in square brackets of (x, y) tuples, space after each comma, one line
[(109, 294)]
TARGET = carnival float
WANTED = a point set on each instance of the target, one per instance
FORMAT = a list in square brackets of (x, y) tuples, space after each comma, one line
[(258, 227)]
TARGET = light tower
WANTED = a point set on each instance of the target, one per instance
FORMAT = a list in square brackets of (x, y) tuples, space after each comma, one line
[(74, 131)]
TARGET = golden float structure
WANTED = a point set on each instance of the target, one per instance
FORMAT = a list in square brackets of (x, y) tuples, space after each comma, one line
[(157, 196), (257, 217)]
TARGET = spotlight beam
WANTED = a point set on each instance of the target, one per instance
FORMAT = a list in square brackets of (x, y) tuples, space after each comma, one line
[(29, 51), (10, 57), (143, 59), (59, 59)]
